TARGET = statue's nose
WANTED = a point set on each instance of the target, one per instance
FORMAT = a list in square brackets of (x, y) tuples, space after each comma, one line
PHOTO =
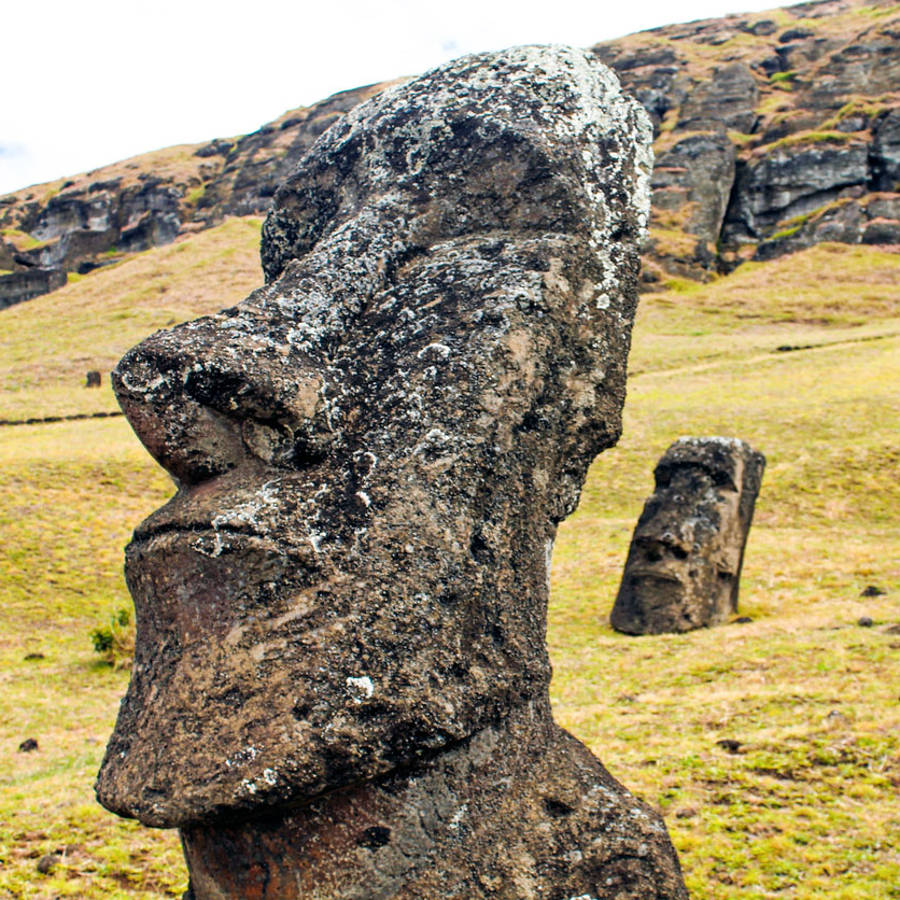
[(203, 398)]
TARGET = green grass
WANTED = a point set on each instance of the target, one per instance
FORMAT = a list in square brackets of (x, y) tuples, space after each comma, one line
[(806, 808), (785, 232), (19, 239), (808, 139)]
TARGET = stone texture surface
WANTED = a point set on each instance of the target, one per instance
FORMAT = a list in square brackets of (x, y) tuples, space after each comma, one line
[(872, 218), (792, 181), (725, 101), (696, 175), (684, 564), (340, 676), (17, 287), (808, 109), (519, 811)]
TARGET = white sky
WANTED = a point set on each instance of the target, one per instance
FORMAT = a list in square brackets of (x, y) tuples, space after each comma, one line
[(89, 82)]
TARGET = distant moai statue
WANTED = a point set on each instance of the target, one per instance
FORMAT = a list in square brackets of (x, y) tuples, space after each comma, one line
[(340, 685), (684, 564), (92, 379)]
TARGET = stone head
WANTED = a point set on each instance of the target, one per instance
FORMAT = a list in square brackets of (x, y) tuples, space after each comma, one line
[(685, 560), (372, 451)]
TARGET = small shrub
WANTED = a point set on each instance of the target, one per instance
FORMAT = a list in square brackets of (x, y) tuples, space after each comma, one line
[(115, 640)]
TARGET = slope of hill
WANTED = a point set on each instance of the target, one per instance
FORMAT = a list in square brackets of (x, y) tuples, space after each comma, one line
[(804, 807), (44, 362), (87, 221), (774, 131)]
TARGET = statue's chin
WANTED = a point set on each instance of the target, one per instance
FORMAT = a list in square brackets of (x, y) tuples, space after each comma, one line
[(253, 693)]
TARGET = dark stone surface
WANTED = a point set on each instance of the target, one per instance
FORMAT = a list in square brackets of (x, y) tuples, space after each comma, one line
[(684, 564), (47, 863), (340, 678), (18, 287), (886, 152), (791, 181), (872, 219), (698, 170), (726, 101), (517, 811)]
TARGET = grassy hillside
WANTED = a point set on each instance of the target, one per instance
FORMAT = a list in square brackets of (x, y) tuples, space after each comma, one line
[(807, 805), (48, 344)]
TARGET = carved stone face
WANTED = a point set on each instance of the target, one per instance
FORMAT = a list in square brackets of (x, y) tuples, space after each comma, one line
[(373, 450), (685, 559)]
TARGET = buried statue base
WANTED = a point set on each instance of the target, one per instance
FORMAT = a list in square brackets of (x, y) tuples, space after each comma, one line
[(519, 810), (341, 676)]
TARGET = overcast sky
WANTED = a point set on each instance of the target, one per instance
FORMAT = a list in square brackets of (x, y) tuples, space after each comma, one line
[(89, 82)]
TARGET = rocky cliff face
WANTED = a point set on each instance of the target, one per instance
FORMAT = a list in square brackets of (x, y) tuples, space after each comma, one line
[(773, 131)]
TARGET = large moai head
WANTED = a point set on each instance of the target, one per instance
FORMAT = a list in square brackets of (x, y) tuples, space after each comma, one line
[(684, 564), (373, 450)]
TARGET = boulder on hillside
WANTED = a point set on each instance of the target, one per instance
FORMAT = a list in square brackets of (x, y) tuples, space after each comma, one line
[(17, 287)]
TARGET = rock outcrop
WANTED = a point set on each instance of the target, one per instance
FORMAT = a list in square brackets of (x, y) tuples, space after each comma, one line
[(773, 117), (807, 100), (340, 679), (16, 287), (83, 223), (684, 564)]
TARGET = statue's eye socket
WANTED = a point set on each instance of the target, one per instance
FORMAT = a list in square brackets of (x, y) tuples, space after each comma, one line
[(724, 481)]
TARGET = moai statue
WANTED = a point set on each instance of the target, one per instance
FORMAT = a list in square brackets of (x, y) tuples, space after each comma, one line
[(340, 685), (685, 559)]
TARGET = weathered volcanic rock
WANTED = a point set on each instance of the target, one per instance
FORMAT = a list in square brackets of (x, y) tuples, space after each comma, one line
[(872, 219), (685, 559), (886, 152), (726, 101), (521, 810), (17, 287), (789, 181), (340, 679), (695, 176)]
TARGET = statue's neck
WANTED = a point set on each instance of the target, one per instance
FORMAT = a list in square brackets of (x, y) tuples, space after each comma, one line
[(512, 812)]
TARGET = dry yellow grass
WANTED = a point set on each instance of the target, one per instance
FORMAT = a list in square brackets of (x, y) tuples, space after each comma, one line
[(49, 343), (807, 807), (829, 284)]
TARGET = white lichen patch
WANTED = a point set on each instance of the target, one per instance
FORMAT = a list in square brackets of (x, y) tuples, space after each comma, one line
[(360, 688), (458, 816)]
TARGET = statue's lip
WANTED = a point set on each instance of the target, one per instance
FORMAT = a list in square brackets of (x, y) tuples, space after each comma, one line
[(660, 574), (217, 506), (198, 530)]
